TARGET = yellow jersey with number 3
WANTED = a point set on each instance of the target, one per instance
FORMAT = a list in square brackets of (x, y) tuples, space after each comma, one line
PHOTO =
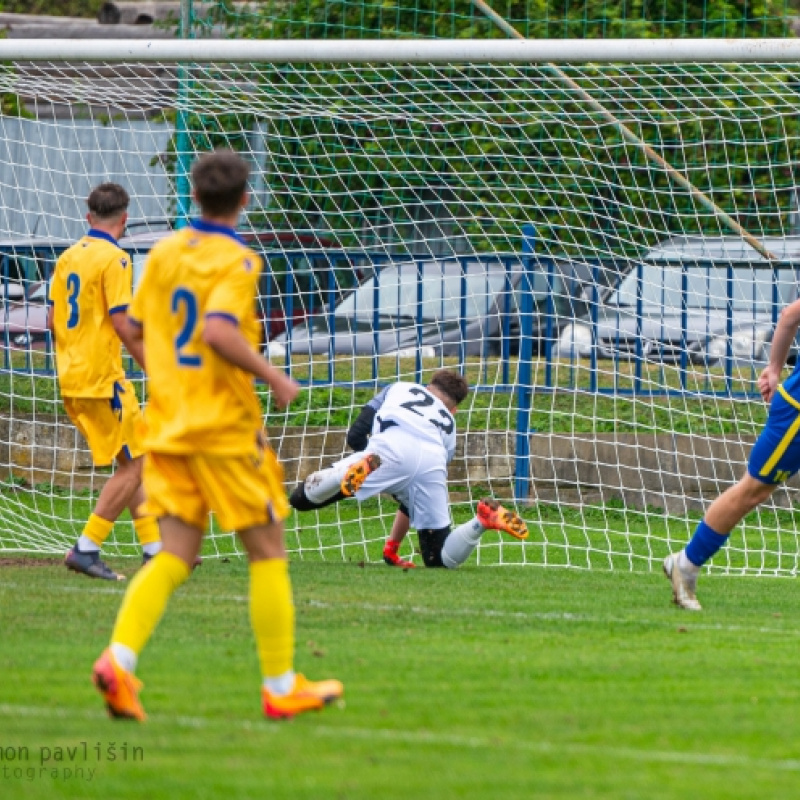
[(92, 281), (198, 401)]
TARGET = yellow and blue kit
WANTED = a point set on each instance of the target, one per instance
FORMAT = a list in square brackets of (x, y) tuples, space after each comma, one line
[(203, 419), (92, 281), (776, 454)]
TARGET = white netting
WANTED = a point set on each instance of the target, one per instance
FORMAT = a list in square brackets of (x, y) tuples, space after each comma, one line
[(454, 193)]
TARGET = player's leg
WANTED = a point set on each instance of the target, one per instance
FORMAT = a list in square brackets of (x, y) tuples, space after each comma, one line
[(141, 610), (391, 548), (284, 692), (711, 535), (465, 538), (330, 485), (247, 496), (111, 429), (774, 458), (114, 497), (146, 525), (174, 497), (441, 546)]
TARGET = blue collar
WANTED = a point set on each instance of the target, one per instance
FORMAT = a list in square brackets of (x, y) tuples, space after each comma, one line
[(211, 227), (95, 234)]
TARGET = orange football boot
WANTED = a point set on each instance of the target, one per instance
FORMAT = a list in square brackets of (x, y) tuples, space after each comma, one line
[(120, 688)]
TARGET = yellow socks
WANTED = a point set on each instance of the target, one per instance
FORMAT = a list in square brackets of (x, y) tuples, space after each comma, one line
[(147, 530), (97, 530), (272, 615), (146, 600)]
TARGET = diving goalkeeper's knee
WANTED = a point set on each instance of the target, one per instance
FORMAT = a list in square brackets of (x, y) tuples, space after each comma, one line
[(431, 543)]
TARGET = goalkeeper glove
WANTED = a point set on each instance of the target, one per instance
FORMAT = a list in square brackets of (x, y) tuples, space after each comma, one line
[(392, 557)]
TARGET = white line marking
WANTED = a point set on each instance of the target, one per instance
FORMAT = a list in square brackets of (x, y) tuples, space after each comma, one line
[(541, 747)]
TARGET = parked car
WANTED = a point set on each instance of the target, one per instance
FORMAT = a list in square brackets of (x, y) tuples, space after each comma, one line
[(706, 297), (304, 273), (26, 263), (448, 307)]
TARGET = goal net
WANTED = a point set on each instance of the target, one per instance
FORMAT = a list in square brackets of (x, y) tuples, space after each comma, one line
[(599, 237)]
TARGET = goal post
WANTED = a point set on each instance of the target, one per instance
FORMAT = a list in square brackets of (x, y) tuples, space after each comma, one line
[(430, 203)]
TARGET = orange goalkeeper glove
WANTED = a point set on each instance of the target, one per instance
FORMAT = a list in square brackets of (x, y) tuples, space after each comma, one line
[(391, 556)]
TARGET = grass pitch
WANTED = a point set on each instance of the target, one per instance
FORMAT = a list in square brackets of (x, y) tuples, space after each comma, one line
[(512, 682)]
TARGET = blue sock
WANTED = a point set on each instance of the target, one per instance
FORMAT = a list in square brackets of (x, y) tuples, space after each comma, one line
[(705, 543)]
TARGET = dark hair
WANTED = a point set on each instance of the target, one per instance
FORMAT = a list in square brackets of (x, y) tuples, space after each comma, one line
[(453, 384), (108, 200), (219, 179)]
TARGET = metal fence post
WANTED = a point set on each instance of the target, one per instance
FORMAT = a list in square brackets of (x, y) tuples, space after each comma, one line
[(183, 195), (524, 392)]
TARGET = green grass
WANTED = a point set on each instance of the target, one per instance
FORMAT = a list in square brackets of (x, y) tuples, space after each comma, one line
[(480, 683), (571, 405), (597, 537)]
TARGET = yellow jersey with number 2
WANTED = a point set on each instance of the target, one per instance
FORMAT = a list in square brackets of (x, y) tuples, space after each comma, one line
[(92, 281), (197, 401)]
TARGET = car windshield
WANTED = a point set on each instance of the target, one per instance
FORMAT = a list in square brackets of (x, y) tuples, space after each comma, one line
[(440, 283), (707, 287), (39, 293)]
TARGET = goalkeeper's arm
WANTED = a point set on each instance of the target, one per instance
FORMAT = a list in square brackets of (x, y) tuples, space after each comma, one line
[(360, 430), (358, 434)]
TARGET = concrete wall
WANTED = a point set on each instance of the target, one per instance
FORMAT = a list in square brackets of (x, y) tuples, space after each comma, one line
[(675, 472)]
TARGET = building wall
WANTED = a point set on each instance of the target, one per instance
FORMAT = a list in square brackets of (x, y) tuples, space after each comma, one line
[(48, 167)]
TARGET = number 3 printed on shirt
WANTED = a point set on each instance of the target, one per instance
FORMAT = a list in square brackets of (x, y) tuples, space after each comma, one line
[(74, 289), (184, 303)]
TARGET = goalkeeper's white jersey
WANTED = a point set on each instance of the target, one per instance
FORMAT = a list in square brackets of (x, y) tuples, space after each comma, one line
[(417, 411)]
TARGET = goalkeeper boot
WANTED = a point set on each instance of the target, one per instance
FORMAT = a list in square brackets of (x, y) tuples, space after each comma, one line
[(495, 517), (393, 558), (683, 584), (120, 688), (306, 695), (357, 473), (90, 564)]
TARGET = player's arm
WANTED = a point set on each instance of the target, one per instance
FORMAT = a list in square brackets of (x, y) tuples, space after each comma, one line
[(391, 547), (223, 336), (130, 334), (52, 289), (785, 332), (359, 432)]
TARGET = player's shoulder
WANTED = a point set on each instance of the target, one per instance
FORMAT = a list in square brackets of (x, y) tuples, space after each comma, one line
[(75, 249), (170, 243), (403, 386)]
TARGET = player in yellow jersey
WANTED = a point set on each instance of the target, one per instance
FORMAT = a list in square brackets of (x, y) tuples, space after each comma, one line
[(89, 297), (195, 314)]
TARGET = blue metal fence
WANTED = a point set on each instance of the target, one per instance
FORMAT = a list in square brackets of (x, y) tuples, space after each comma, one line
[(522, 298)]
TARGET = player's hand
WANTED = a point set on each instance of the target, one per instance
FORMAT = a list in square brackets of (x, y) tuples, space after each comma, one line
[(284, 389), (768, 383)]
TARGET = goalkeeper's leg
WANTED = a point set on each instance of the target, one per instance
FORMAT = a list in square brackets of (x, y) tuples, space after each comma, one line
[(459, 544), (328, 486)]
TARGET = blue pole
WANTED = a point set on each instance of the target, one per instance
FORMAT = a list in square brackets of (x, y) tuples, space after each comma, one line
[(522, 479), (183, 192)]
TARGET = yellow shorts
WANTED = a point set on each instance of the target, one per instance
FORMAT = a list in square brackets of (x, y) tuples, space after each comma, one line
[(109, 425), (242, 491)]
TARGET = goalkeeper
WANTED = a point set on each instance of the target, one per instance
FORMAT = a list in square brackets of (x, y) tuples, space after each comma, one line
[(408, 433), (775, 457)]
